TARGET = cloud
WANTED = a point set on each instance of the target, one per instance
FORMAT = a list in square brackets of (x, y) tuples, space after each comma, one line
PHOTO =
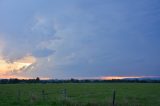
[(82, 38), (43, 28), (34, 37), (16, 66), (35, 41), (43, 52)]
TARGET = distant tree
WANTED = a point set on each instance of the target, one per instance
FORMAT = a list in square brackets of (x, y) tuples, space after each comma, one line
[(37, 79), (4, 81), (13, 80), (72, 80)]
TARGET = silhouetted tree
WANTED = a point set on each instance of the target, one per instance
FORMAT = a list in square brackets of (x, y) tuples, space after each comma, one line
[(37, 79)]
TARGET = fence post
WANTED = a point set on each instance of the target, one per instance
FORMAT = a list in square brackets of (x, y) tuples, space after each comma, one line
[(64, 93), (114, 95), (18, 95), (43, 95), (30, 98)]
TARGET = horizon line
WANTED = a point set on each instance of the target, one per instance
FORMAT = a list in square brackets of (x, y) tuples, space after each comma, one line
[(83, 78)]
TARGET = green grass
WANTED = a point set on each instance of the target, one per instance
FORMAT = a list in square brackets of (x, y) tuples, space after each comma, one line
[(80, 94)]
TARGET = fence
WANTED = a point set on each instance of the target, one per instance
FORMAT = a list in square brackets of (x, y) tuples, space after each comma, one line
[(43, 95)]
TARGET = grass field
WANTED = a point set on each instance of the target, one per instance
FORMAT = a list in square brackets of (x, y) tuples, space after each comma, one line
[(80, 94)]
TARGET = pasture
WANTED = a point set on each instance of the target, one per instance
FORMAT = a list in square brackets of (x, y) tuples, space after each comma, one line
[(80, 94)]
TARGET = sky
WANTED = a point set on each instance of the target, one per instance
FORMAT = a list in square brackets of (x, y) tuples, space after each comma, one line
[(79, 38)]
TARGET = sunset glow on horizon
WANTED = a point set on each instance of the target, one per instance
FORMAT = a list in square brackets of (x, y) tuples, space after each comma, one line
[(21, 77), (126, 77), (119, 77)]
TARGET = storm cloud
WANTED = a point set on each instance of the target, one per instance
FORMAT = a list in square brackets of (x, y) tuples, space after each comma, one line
[(82, 38)]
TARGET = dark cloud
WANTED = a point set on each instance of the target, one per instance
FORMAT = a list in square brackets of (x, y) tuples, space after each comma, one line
[(90, 38)]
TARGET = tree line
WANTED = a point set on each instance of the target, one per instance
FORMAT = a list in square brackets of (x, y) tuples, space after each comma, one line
[(38, 80)]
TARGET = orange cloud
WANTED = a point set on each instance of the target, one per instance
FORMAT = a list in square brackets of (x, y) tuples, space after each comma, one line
[(6, 68)]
